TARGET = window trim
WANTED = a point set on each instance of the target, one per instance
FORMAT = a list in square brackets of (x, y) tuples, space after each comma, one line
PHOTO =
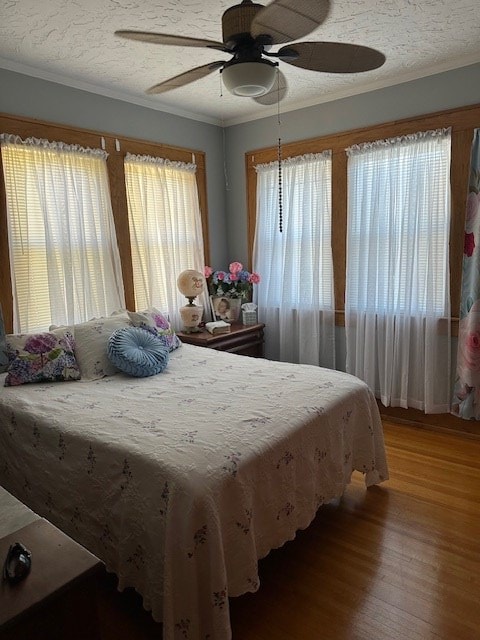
[(27, 127), (462, 120)]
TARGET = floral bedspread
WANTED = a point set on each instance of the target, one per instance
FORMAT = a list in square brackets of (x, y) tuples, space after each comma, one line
[(182, 481)]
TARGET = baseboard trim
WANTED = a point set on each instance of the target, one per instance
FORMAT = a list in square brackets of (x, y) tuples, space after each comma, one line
[(445, 422)]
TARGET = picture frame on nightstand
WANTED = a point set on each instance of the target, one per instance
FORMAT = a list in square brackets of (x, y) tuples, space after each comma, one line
[(227, 309)]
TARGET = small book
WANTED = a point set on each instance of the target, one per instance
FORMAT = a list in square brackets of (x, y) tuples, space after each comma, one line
[(219, 326)]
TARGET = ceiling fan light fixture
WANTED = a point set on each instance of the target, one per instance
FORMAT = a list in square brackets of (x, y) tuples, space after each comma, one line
[(249, 79)]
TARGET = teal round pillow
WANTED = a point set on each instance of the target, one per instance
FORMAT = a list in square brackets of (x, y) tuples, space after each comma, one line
[(137, 352)]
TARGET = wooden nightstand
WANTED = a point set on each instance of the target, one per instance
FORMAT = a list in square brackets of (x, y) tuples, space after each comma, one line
[(57, 600), (246, 340)]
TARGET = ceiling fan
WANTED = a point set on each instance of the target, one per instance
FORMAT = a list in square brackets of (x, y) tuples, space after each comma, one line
[(249, 30)]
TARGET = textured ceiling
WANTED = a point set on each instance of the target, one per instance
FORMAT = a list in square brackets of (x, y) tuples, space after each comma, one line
[(72, 42)]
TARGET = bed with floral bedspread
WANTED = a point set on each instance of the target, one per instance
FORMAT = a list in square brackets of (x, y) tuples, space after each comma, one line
[(180, 482)]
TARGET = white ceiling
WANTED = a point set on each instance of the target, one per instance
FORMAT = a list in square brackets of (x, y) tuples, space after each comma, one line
[(72, 42)]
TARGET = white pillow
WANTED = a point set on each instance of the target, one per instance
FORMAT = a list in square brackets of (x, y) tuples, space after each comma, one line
[(91, 339)]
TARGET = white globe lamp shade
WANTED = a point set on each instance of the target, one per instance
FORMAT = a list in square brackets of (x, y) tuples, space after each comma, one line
[(249, 79), (191, 283)]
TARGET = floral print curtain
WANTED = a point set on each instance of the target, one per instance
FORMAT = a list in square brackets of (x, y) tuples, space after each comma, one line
[(466, 401)]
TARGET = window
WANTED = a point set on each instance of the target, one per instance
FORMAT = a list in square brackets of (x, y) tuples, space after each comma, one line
[(397, 304), (398, 225), (295, 294), (63, 250), (165, 228), (297, 262)]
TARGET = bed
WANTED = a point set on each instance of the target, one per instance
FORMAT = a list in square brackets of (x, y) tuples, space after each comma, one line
[(182, 481)]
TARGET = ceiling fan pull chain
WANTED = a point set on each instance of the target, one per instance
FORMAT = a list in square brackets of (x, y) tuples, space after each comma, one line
[(224, 143), (280, 200)]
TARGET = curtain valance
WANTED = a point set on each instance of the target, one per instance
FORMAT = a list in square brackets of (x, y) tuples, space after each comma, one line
[(189, 167), (307, 157), (397, 141), (10, 138)]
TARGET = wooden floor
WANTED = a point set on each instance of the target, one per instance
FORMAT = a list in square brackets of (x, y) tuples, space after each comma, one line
[(400, 561)]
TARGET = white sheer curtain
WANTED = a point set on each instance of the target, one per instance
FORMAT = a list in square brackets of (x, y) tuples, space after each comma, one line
[(64, 256), (165, 230), (295, 296), (397, 291)]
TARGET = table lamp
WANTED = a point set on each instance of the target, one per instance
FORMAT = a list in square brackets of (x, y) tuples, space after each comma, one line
[(191, 284)]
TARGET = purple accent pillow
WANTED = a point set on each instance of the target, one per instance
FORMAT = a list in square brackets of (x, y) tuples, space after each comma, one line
[(41, 357), (157, 323)]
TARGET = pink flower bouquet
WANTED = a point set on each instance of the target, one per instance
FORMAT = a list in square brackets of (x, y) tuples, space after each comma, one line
[(237, 282)]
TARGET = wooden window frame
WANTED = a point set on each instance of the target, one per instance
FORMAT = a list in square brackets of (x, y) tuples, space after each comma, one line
[(462, 121), (25, 128)]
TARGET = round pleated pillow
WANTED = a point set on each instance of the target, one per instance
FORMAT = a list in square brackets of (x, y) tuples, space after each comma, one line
[(137, 352)]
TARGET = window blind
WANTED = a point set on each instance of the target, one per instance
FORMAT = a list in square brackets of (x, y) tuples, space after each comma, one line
[(63, 250), (295, 295), (399, 225), (397, 305), (165, 228)]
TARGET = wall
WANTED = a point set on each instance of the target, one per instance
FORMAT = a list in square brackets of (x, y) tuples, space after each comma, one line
[(456, 88), (34, 98)]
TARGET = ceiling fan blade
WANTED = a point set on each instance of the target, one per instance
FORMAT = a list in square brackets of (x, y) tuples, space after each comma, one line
[(166, 38), (286, 20), (333, 57), (185, 78), (277, 93)]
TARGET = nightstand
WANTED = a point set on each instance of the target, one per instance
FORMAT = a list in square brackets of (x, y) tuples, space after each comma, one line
[(246, 340), (57, 599)]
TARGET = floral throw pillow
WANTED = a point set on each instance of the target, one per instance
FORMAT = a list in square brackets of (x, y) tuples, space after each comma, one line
[(3, 345), (157, 323), (41, 357)]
